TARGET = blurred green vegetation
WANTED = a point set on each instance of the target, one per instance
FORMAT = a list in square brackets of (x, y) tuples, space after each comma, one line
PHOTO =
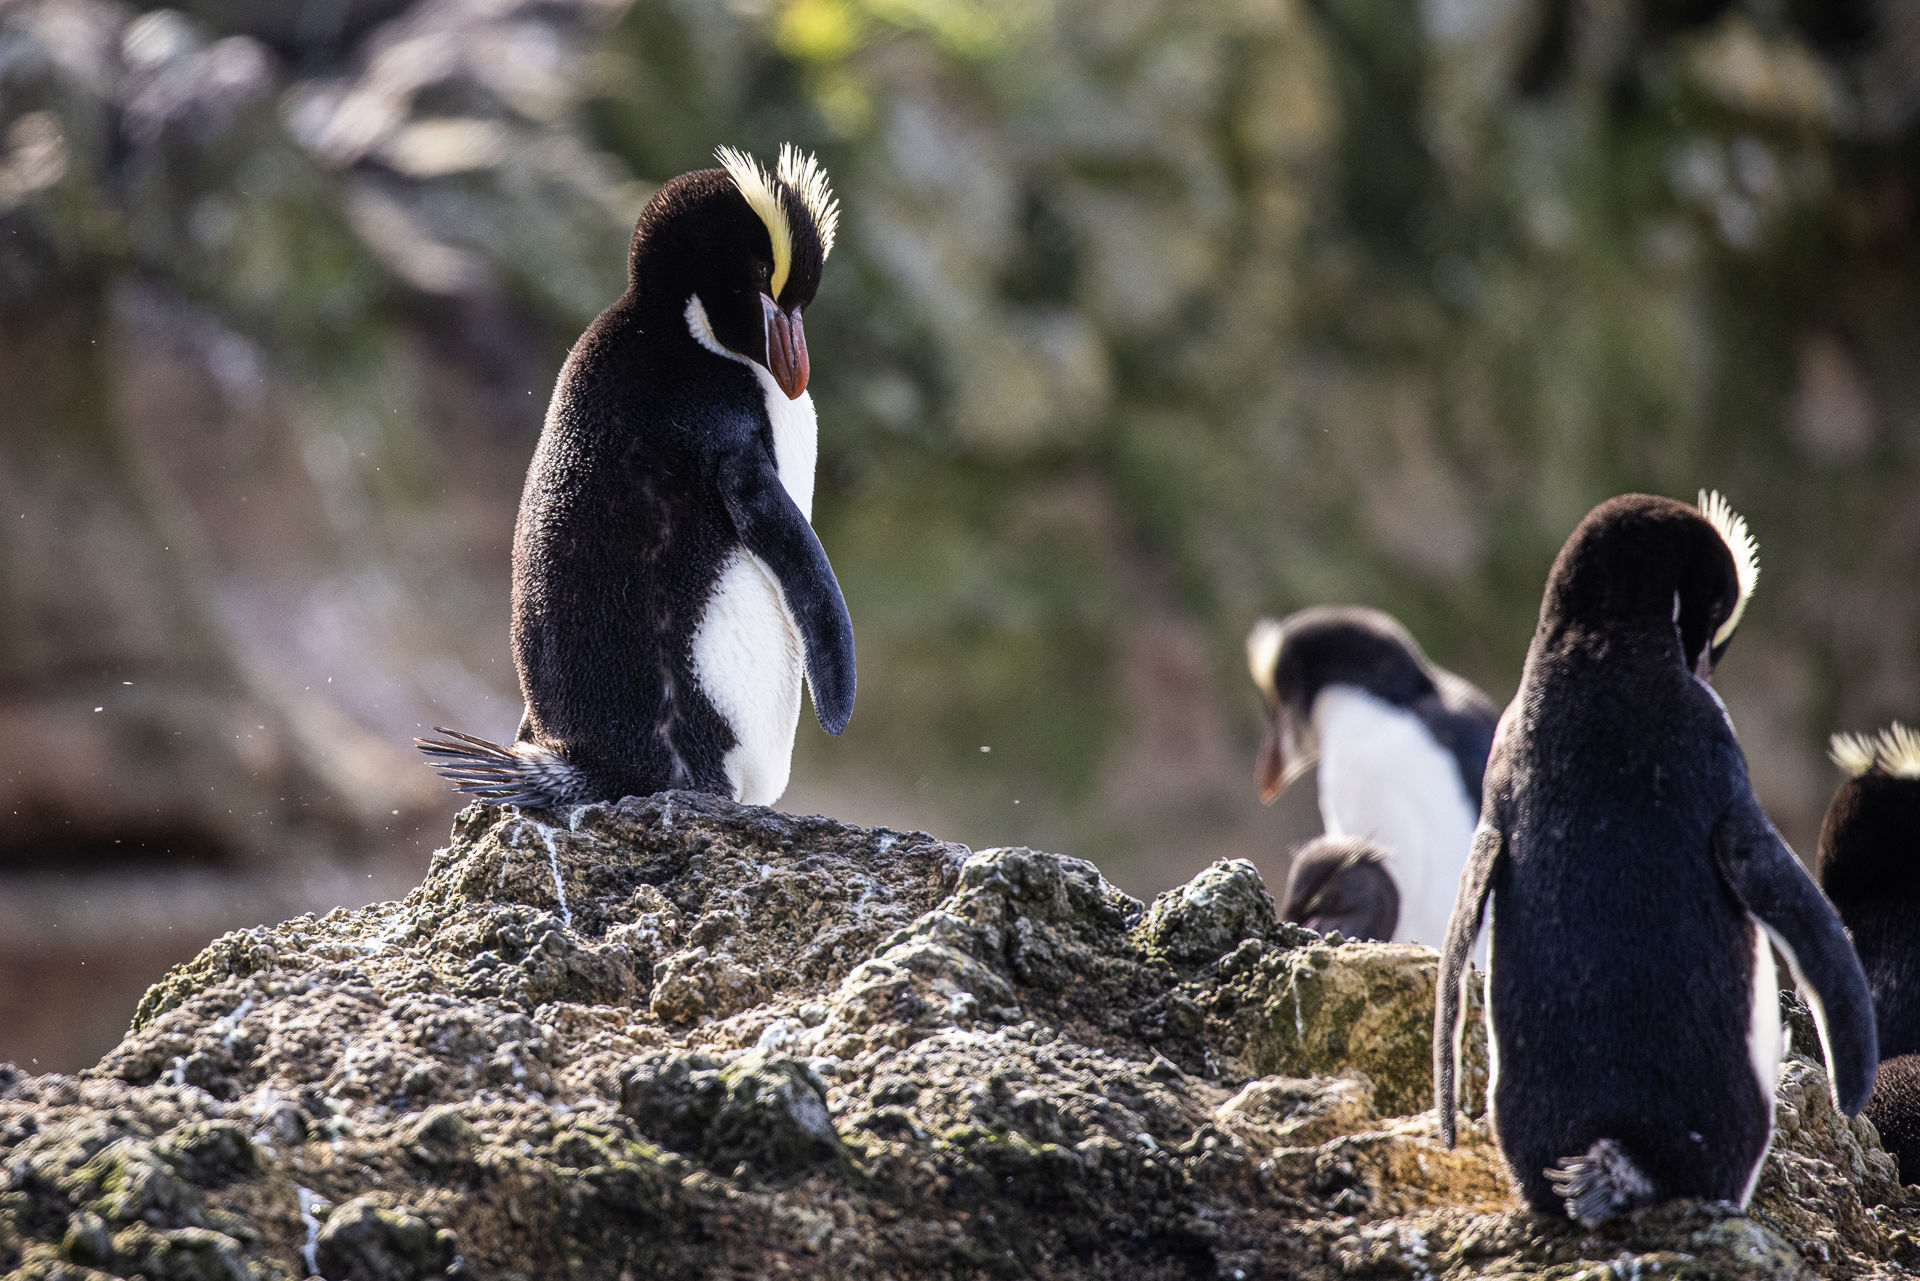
[(1146, 319), (1215, 310)]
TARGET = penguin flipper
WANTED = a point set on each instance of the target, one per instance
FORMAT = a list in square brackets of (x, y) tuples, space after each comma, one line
[(1450, 985), (772, 527), (1777, 892)]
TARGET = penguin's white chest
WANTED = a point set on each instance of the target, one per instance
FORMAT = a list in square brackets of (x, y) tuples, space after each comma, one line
[(747, 651), (1382, 776)]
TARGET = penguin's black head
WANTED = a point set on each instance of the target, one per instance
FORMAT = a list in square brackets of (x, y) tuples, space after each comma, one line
[(1342, 883), (1294, 659), (738, 252), (1869, 854), (1640, 558)]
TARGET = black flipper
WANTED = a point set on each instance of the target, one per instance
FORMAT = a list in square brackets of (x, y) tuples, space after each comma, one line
[(1600, 1185), (772, 528), (1776, 891), (525, 774), (1450, 985)]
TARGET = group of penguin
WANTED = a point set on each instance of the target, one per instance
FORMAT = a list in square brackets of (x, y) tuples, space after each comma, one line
[(670, 596), (1632, 891)]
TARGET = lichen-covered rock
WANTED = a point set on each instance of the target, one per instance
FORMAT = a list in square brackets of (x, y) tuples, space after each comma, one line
[(363, 1242), (679, 1037), (1207, 917), (1323, 1007)]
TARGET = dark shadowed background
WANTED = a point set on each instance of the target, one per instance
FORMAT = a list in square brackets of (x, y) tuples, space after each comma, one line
[(1146, 319)]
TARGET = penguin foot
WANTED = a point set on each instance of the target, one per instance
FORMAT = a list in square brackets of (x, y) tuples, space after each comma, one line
[(526, 774), (1601, 1185)]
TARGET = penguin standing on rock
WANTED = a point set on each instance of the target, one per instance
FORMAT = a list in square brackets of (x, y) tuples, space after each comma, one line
[(1400, 744), (668, 590), (1631, 884), (1869, 865)]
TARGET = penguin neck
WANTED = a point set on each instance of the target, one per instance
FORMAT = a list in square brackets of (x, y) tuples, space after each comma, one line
[(796, 435), (1647, 642), (1385, 778)]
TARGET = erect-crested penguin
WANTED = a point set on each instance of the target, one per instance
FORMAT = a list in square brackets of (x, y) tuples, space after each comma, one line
[(1869, 865), (1400, 743), (1631, 885), (668, 590), (1342, 883)]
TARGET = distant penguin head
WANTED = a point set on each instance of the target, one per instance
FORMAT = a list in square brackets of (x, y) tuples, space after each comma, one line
[(739, 251), (1640, 558), (1293, 660), (1870, 842), (1342, 883)]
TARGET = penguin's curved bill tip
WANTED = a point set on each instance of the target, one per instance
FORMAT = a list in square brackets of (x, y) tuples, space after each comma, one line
[(1270, 771), (786, 347)]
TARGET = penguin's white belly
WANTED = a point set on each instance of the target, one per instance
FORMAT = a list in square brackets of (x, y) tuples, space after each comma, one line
[(747, 651), (748, 657), (1383, 777)]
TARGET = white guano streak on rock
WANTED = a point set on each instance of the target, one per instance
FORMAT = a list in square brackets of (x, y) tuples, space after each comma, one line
[(309, 1253), (559, 888)]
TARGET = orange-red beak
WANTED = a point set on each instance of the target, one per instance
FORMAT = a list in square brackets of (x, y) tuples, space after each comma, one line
[(786, 348), (1270, 771)]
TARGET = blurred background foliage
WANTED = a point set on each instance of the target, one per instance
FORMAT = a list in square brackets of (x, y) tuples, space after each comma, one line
[(1146, 319)]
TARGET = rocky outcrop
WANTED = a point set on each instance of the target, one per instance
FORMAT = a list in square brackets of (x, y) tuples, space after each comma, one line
[(683, 1038)]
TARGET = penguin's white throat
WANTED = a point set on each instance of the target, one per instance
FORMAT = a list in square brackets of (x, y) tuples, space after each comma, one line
[(795, 432)]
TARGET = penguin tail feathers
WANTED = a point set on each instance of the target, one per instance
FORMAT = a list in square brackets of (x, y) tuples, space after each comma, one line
[(1601, 1184), (526, 774)]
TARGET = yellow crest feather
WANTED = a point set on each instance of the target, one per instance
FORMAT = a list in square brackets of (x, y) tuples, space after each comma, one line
[(809, 182), (1733, 531), (800, 174), (1894, 751), (757, 187), (1263, 651)]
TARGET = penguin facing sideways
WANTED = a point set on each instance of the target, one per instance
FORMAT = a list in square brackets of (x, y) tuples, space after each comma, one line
[(1631, 884), (1400, 744), (1342, 883), (1869, 865), (669, 592)]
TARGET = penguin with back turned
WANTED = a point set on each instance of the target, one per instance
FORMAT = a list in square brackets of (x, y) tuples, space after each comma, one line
[(1400, 744), (668, 589), (1869, 865), (1631, 884)]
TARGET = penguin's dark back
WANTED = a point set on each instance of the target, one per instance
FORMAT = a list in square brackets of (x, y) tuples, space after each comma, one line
[(1612, 929), (620, 537), (1869, 865)]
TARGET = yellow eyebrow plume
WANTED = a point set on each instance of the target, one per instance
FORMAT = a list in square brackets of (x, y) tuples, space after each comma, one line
[(757, 187), (1732, 528), (808, 181), (802, 175), (1894, 751)]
